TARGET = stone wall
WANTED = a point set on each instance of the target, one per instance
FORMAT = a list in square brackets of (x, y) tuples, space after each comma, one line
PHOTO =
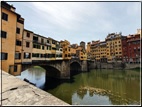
[(117, 65)]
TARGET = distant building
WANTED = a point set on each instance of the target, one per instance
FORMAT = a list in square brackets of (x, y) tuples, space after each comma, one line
[(114, 50), (82, 44), (74, 45), (88, 46), (131, 48), (66, 49)]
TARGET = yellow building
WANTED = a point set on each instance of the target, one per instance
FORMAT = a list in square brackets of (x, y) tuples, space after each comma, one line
[(53, 48), (88, 47), (88, 50), (11, 35), (27, 46), (114, 48), (73, 52), (95, 51), (81, 54), (66, 49), (84, 55), (102, 50), (42, 48)]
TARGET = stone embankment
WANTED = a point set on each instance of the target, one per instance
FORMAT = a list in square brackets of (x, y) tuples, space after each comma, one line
[(116, 65), (18, 92)]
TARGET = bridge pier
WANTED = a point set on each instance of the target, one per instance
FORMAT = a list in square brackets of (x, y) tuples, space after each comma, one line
[(84, 66), (65, 68)]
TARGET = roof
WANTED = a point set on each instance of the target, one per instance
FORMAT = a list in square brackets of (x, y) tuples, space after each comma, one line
[(28, 30), (133, 40), (7, 6)]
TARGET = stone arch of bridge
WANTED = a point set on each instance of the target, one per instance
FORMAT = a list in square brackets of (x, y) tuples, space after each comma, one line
[(51, 70), (75, 68), (75, 61)]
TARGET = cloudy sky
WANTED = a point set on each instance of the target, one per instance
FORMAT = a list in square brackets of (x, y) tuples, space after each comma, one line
[(80, 21)]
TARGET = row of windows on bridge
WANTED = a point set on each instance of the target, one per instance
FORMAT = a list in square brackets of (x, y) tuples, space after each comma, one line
[(38, 55), (4, 56)]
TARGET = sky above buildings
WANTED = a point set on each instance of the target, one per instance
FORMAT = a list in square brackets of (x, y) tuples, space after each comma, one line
[(80, 21)]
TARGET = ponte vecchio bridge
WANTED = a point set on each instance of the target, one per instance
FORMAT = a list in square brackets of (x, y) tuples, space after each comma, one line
[(61, 69)]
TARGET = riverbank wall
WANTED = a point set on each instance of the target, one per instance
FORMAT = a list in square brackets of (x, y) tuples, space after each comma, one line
[(116, 65), (19, 92)]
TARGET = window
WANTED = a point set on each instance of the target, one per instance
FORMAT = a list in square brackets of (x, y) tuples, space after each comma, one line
[(53, 48), (42, 55), (134, 43), (53, 42), (116, 52), (138, 49), (35, 38), (119, 41), (69, 49), (36, 46), (41, 40), (18, 30), (15, 68), (28, 34), (47, 41), (60, 55), (138, 42), (57, 55), (3, 56), (27, 44), (53, 55), (17, 55), (4, 16), (69, 55), (119, 45), (115, 45), (3, 34), (18, 43), (27, 55), (65, 55), (134, 50), (42, 47), (119, 52), (49, 47)]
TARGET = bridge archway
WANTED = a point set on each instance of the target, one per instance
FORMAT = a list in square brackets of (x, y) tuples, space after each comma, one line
[(52, 72), (75, 68)]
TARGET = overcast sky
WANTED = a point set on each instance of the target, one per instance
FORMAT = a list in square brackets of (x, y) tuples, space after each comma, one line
[(80, 21)]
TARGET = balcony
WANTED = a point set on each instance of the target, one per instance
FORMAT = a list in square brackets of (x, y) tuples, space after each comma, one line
[(35, 41), (48, 44)]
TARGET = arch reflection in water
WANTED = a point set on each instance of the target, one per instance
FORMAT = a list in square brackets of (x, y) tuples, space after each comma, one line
[(35, 75)]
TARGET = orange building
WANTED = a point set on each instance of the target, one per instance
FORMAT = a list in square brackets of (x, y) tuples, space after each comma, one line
[(66, 49), (11, 35)]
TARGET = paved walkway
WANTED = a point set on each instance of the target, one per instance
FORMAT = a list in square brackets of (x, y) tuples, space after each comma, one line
[(18, 92)]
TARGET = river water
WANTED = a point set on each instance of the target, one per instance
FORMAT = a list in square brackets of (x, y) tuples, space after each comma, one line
[(123, 84)]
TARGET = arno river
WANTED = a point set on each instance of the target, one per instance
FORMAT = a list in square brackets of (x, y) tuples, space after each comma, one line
[(122, 87)]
